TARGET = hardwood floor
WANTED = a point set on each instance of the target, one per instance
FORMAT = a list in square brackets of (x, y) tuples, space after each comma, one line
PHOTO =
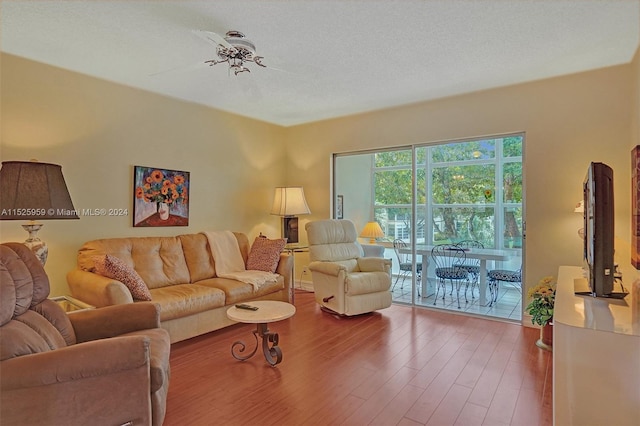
[(399, 366)]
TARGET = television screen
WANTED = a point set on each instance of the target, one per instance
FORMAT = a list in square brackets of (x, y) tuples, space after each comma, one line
[(599, 230)]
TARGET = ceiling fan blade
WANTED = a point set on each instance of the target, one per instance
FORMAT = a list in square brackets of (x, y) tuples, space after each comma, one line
[(212, 37), (192, 67)]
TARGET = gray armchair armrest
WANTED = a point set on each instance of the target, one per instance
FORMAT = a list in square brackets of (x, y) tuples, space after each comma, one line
[(112, 321)]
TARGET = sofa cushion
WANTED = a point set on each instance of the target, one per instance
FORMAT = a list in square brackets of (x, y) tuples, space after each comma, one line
[(159, 260), (185, 299), (112, 267), (198, 256), (236, 291), (265, 254)]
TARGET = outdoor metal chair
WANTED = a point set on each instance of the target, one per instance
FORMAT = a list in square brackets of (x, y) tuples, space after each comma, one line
[(405, 264), (508, 276), (448, 259), (471, 265)]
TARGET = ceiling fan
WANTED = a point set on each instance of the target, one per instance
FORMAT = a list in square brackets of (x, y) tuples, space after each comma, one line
[(234, 49)]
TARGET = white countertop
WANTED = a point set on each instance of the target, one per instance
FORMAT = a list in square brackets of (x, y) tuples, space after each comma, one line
[(619, 316)]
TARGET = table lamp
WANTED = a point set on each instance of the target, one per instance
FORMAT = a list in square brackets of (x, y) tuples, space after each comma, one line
[(580, 209), (289, 202), (372, 231), (34, 191)]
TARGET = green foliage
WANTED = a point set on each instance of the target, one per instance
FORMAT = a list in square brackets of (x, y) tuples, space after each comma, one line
[(462, 189), (543, 301)]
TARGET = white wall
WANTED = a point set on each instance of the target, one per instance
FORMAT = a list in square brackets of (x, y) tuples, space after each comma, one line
[(97, 131)]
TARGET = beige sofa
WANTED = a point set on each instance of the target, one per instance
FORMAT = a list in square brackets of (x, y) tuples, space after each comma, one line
[(180, 274)]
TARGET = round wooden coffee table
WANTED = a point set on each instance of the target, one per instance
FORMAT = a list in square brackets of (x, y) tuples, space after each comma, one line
[(268, 311)]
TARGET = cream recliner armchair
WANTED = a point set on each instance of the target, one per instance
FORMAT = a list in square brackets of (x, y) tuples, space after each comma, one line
[(344, 281)]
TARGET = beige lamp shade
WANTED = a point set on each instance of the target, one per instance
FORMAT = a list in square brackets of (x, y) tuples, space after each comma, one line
[(372, 230), (289, 201)]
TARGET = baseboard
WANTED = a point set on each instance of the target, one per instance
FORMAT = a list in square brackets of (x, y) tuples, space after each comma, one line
[(303, 285)]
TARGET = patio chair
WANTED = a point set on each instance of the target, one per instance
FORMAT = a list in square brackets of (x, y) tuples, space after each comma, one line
[(514, 278), (471, 265), (448, 259), (405, 265)]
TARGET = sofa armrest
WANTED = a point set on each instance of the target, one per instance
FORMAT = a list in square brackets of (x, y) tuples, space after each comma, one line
[(77, 362), (112, 321), (97, 290), (285, 268), (374, 264)]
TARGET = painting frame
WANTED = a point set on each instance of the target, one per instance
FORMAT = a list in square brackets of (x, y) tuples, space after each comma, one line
[(339, 207), (160, 197), (635, 207)]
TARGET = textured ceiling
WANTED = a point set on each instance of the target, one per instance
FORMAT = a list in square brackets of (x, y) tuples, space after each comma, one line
[(332, 58)]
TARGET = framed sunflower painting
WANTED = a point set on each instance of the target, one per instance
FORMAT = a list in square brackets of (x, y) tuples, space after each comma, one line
[(161, 197)]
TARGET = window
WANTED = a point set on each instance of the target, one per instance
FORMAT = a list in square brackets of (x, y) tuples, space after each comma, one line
[(438, 193), (474, 190)]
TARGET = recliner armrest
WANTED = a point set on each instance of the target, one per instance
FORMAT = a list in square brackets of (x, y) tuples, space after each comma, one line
[(77, 362), (374, 264), (328, 268), (112, 321)]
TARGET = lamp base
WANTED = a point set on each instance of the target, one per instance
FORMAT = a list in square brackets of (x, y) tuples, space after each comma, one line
[(290, 229), (35, 244)]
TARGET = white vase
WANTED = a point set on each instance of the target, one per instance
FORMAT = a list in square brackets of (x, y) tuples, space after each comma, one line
[(163, 211)]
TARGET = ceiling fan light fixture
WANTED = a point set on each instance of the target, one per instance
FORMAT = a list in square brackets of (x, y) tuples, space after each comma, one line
[(236, 50)]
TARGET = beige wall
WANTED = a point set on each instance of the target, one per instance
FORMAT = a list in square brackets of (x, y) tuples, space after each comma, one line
[(568, 121), (99, 130)]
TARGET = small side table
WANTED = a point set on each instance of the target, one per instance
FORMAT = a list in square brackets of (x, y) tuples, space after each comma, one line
[(71, 305), (292, 249), (268, 311)]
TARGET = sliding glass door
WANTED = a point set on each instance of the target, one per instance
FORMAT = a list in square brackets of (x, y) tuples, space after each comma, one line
[(446, 193)]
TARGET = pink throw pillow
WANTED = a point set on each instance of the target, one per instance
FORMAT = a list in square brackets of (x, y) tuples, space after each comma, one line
[(265, 254), (112, 267)]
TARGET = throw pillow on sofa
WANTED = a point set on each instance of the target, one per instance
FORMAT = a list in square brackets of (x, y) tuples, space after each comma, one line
[(265, 254), (113, 267)]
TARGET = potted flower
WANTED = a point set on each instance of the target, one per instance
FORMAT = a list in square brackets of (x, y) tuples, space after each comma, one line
[(541, 309)]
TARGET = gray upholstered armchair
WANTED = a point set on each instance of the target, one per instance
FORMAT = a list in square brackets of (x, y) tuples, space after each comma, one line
[(344, 281), (103, 366)]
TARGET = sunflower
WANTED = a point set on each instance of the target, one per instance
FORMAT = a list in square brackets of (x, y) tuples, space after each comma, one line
[(157, 176)]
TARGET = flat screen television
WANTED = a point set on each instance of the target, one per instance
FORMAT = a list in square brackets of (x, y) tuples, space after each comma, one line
[(599, 231)]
